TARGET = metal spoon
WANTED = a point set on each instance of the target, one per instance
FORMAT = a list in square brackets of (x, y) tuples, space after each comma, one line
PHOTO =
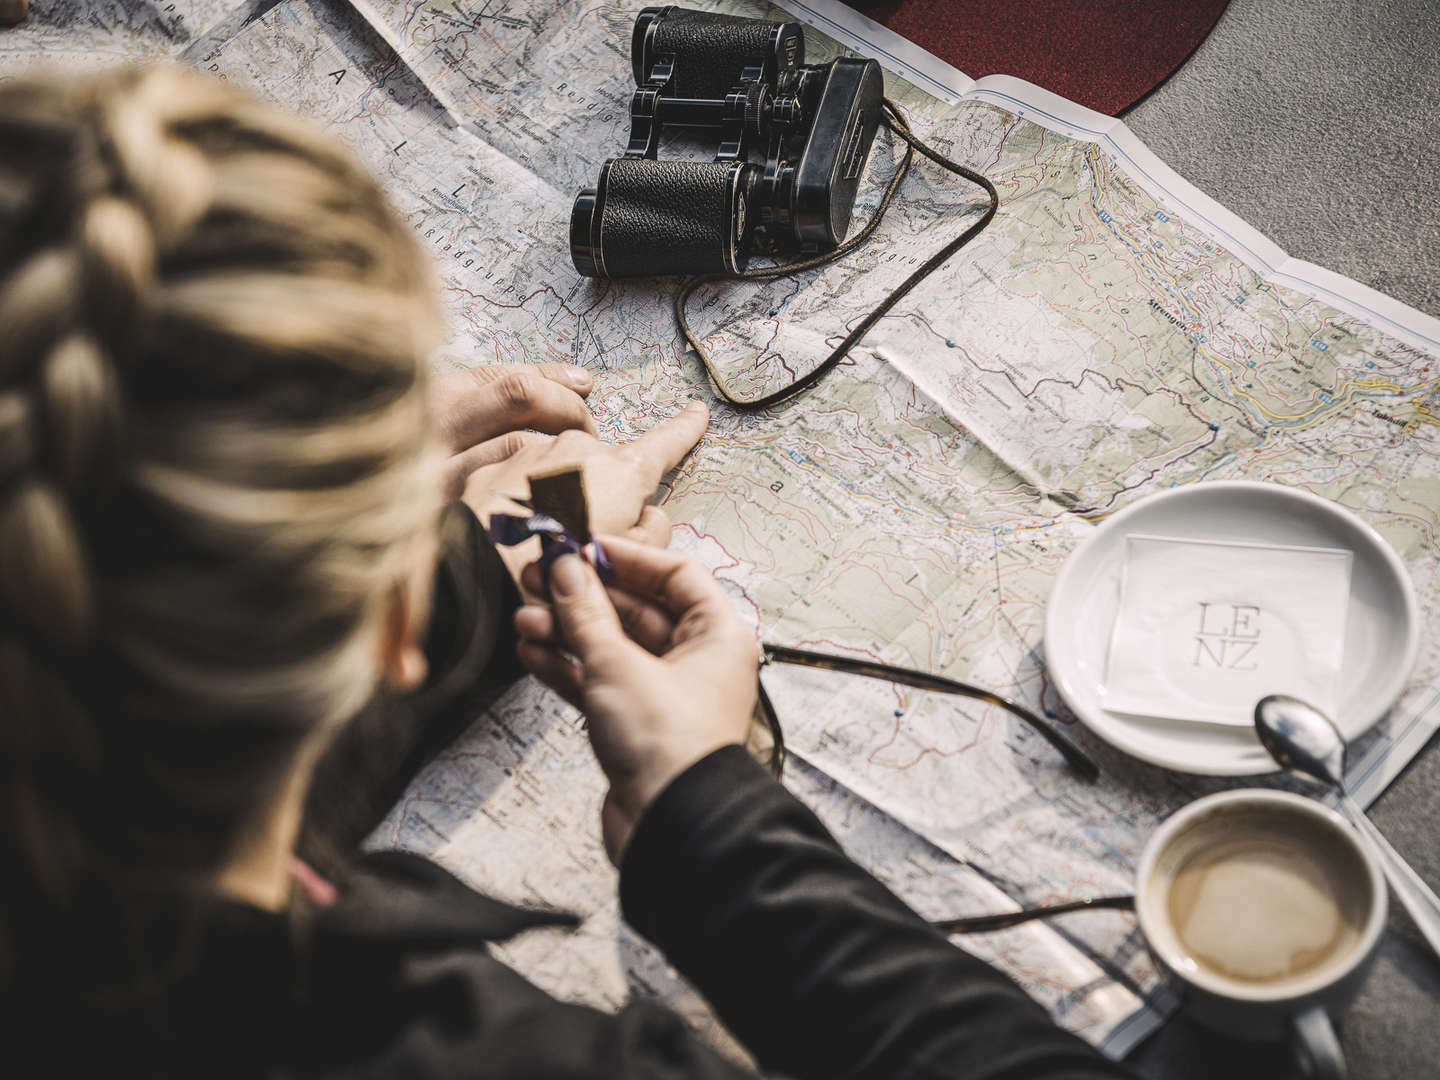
[(1302, 738)]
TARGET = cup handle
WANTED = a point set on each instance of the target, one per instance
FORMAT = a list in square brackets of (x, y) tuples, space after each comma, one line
[(1316, 1046)]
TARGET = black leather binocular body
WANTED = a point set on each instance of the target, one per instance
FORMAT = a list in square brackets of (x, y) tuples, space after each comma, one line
[(793, 142)]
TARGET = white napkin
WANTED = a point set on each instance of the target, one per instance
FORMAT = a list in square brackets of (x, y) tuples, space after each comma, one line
[(1206, 629)]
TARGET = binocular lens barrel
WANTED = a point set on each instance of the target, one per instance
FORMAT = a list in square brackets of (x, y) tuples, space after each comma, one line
[(652, 218), (710, 50), (584, 252)]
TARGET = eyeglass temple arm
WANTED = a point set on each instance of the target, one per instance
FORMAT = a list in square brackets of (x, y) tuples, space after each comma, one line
[(777, 733), (980, 924), (1076, 757)]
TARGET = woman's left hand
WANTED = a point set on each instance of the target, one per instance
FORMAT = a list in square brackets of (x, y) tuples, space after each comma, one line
[(619, 480), (489, 413), (499, 423)]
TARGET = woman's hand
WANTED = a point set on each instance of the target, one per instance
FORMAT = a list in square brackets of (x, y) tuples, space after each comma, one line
[(619, 480), (482, 414), (659, 663)]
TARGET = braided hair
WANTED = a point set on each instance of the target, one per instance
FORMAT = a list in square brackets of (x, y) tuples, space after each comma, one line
[(214, 467)]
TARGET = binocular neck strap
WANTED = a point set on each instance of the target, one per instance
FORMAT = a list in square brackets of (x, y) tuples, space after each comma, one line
[(896, 122)]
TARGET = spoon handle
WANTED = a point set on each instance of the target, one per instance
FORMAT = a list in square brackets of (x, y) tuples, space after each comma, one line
[(1419, 899)]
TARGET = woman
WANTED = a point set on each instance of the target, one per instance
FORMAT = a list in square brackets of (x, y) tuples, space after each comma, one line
[(230, 587)]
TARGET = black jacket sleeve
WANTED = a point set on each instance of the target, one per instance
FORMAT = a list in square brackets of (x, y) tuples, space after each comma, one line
[(401, 985), (818, 968), (470, 648)]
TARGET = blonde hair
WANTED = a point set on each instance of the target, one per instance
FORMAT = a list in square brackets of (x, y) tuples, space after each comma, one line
[(214, 462)]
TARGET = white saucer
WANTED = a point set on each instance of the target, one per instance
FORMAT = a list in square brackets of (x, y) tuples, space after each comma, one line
[(1382, 634)]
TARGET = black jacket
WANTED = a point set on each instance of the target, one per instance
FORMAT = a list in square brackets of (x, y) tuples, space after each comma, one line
[(814, 965)]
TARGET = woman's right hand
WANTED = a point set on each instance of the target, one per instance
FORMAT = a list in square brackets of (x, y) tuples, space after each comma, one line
[(660, 664)]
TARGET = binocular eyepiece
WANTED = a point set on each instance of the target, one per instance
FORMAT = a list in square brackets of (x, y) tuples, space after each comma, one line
[(793, 142)]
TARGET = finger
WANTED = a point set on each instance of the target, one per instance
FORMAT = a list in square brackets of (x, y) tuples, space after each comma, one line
[(653, 528), (572, 375), (644, 622), (554, 670), (665, 445), (532, 580), (459, 466), (587, 618), (447, 384), (536, 623), (473, 406), (706, 622), (674, 581)]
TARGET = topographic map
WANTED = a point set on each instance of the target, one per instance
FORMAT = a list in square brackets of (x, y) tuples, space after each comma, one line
[(1112, 334)]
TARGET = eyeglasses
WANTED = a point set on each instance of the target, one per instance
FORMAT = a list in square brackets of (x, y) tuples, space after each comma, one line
[(784, 654)]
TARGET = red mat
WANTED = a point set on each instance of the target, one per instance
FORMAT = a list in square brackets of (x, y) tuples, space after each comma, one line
[(1106, 54)]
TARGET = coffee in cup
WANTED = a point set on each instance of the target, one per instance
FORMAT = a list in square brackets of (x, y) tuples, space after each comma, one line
[(1272, 899), (1266, 907)]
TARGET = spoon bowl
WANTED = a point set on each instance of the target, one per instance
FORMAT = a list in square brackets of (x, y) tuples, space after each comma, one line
[(1301, 738)]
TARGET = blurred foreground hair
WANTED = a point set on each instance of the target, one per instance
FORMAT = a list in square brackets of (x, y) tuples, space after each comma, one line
[(214, 468)]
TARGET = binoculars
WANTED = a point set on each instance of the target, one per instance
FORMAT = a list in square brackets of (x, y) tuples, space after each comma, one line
[(793, 142)]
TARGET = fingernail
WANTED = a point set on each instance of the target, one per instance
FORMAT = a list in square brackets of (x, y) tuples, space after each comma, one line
[(579, 378), (695, 406), (567, 575)]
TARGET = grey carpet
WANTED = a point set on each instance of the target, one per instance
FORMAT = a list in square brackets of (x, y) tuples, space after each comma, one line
[(1318, 121)]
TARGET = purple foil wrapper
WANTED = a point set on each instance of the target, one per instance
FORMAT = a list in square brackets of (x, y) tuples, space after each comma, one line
[(507, 530)]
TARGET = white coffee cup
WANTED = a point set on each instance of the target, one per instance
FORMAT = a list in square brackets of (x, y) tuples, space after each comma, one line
[(1247, 910)]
